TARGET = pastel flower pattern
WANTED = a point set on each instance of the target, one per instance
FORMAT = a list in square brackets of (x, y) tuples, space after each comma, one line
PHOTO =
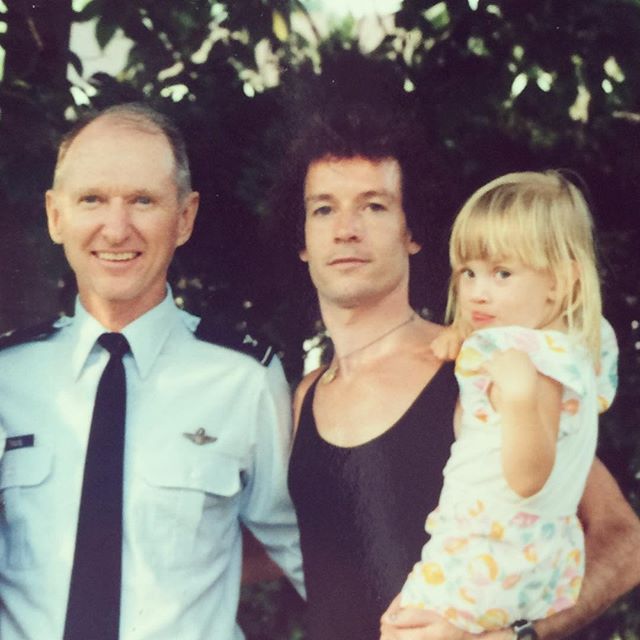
[(494, 557)]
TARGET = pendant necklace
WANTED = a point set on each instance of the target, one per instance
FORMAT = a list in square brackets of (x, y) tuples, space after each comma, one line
[(334, 368)]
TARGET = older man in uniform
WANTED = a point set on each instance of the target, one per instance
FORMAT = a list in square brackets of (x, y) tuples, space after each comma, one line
[(134, 447)]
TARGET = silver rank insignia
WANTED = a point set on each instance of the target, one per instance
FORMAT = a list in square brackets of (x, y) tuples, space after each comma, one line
[(200, 437)]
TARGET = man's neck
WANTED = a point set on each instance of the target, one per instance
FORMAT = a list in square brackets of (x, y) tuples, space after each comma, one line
[(116, 315), (351, 329)]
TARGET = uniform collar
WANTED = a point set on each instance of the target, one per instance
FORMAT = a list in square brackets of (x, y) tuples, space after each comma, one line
[(146, 335)]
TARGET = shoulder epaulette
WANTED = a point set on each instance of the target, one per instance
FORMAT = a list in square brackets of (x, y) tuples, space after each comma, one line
[(29, 334), (238, 337)]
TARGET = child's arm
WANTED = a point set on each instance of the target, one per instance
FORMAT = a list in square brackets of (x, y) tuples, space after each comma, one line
[(529, 405)]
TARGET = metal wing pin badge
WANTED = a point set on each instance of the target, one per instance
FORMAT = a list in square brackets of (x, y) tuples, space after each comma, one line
[(200, 437)]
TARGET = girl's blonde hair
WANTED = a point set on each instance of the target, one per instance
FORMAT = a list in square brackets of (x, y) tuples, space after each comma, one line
[(543, 220)]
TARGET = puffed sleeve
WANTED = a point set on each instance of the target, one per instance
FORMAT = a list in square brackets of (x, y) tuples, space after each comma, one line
[(552, 353), (607, 370), (267, 509)]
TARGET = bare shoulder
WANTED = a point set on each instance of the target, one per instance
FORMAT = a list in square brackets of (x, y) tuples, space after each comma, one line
[(301, 392), (430, 329)]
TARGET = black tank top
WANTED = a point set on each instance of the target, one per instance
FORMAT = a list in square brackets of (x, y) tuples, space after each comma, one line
[(362, 509)]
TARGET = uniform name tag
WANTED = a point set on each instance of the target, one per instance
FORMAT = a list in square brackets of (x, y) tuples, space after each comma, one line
[(19, 442)]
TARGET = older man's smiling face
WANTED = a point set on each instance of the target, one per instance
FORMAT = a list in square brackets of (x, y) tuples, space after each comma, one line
[(115, 209)]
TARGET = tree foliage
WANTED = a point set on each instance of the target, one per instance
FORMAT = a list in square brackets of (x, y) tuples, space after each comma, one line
[(499, 86)]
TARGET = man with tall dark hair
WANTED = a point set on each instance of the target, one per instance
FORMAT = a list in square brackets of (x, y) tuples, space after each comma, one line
[(374, 426), (134, 446)]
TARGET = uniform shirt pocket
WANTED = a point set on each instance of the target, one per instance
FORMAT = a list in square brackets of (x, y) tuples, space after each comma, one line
[(23, 505), (189, 509)]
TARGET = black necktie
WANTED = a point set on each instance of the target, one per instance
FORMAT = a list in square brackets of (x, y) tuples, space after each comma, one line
[(93, 612)]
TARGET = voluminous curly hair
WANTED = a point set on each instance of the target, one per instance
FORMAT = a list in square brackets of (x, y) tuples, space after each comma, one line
[(357, 129)]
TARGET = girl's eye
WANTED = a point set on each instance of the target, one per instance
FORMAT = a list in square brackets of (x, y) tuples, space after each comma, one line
[(502, 274), (467, 273)]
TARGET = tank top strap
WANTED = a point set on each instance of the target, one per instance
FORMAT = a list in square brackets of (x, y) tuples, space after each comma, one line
[(307, 428)]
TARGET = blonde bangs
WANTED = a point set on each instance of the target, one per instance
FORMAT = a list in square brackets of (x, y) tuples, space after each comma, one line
[(498, 231)]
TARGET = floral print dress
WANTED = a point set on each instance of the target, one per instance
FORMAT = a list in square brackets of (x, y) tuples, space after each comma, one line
[(495, 557)]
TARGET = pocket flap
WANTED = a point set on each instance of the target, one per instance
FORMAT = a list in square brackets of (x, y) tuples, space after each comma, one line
[(209, 472), (25, 467)]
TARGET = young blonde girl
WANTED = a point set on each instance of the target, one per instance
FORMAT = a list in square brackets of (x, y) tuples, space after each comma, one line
[(537, 365)]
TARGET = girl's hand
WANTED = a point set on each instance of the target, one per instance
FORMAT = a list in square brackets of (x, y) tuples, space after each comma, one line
[(514, 377), (446, 345), (409, 623)]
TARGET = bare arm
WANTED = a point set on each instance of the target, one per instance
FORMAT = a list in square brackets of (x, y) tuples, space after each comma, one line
[(613, 564), (529, 407), (256, 564)]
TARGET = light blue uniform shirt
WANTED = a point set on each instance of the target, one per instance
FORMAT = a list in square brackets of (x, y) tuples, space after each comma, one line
[(183, 501)]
